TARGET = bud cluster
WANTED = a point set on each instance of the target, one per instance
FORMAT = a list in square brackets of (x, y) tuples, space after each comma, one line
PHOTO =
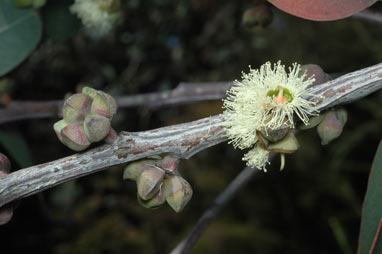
[(87, 118), (159, 181)]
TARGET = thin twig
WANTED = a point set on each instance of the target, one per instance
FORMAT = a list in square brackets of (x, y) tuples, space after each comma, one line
[(183, 140), (184, 93), (220, 202)]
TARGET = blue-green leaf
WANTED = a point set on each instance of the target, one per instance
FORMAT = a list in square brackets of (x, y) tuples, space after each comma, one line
[(20, 31), (59, 23), (370, 238), (16, 147)]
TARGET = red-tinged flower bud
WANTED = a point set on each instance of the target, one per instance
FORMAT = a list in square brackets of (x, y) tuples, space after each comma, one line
[(178, 192), (96, 127), (76, 107), (332, 125), (149, 182), (73, 136), (104, 105)]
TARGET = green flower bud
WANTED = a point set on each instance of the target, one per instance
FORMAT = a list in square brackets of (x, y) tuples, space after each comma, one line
[(96, 127), (89, 91), (73, 136), (178, 192), (289, 144), (76, 107), (149, 182), (104, 105), (58, 126), (155, 202), (332, 125), (133, 170)]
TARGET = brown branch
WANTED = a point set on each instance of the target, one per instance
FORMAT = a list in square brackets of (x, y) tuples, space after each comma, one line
[(184, 93), (183, 140)]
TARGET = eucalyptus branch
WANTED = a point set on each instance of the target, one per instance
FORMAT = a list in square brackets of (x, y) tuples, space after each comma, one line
[(183, 140), (184, 93)]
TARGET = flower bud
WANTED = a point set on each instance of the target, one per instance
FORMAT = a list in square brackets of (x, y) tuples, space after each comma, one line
[(332, 125), (155, 202), (111, 136), (76, 107), (96, 127), (316, 71), (149, 182), (178, 192), (104, 105), (5, 165), (73, 136), (133, 170), (58, 126), (89, 91), (6, 213), (289, 144)]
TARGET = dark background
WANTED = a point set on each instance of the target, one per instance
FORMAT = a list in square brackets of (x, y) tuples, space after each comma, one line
[(313, 206)]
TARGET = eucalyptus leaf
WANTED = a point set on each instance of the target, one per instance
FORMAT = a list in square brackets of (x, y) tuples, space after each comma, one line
[(370, 238), (20, 32), (59, 23), (16, 147)]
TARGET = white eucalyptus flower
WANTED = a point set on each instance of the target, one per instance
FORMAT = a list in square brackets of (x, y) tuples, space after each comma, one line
[(265, 99), (95, 16)]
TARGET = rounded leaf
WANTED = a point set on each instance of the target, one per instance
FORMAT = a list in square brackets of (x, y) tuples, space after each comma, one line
[(322, 10)]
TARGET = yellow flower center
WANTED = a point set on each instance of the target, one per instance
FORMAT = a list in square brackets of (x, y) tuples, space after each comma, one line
[(280, 95)]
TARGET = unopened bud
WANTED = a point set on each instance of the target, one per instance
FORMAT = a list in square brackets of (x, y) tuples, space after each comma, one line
[(149, 182), (332, 125), (111, 136), (58, 126), (104, 105), (178, 192), (96, 127), (76, 107), (316, 71), (5, 164), (134, 169), (155, 202), (73, 136)]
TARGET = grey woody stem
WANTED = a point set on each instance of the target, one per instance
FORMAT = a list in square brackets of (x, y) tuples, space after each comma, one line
[(183, 140), (184, 93)]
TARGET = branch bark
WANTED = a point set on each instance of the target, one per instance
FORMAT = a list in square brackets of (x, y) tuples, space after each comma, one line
[(184, 93), (183, 140)]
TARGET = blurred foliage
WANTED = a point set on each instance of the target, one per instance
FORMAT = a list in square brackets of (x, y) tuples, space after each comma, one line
[(313, 206)]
